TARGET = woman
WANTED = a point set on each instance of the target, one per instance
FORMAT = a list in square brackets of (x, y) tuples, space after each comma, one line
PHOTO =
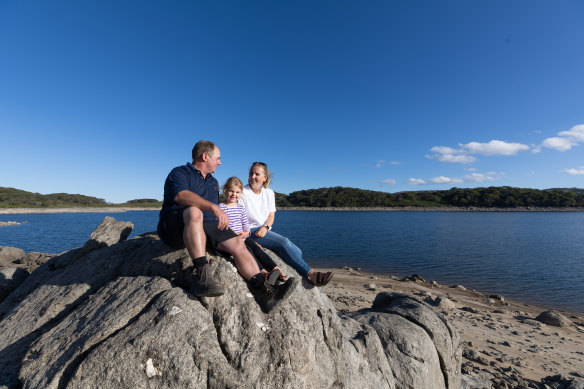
[(260, 203)]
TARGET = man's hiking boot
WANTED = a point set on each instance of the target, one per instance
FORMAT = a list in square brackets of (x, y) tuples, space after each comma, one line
[(202, 284), (270, 296), (285, 289)]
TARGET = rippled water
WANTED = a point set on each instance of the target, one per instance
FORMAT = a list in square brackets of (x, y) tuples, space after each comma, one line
[(534, 257)]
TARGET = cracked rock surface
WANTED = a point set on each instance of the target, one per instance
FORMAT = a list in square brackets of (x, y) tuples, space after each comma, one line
[(116, 315)]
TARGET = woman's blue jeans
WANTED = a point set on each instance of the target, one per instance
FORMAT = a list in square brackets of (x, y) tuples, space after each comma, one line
[(287, 250)]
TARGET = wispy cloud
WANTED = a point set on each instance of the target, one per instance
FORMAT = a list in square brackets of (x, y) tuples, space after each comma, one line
[(465, 153), (564, 141), (388, 181), (575, 172), (435, 180), (445, 180), (479, 177), (494, 147), (473, 177), (379, 163), (395, 163), (415, 181)]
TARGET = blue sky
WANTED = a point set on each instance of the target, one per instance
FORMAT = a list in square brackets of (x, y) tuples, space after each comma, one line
[(104, 98)]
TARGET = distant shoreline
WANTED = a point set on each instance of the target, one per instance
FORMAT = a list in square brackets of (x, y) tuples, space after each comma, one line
[(433, 209), (14, 211)]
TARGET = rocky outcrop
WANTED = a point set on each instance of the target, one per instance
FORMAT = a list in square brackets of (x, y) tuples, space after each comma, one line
[(15, 266), (9, 255), (114, 315), (554, 318)]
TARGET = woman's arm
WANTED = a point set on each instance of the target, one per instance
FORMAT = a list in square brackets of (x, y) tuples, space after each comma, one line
[(262, 231)]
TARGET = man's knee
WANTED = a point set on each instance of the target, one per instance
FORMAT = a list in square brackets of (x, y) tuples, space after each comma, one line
[(193, 215), (234, 246)]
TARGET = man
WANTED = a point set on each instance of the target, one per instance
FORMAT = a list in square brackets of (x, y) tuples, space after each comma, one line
[(190, 216)]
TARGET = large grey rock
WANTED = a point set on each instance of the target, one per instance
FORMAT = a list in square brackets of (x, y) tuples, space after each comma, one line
[(10, 278), (32, 260), (10, 254), (422, 347), (117, 317), (109, 232), (554, 318)]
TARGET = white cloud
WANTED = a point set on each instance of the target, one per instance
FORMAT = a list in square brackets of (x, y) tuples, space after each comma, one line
[(446, 150), (565, 139), (576, 132), (472, 177), (445, 180), (388, 181), (465, 153), (494, 147), (452, 158), (471, 169), (575, 172), (379, 163), (415, 181), (395, 163), (558, 143), (479, 177)]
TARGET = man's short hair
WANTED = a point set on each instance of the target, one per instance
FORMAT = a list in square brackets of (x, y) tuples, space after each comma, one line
[(202, 147)]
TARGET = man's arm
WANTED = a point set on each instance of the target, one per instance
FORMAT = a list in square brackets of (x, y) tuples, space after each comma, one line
[(186, 198)]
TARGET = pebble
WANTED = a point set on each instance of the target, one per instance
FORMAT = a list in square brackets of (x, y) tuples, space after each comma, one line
[(151, 371), (174, 311)]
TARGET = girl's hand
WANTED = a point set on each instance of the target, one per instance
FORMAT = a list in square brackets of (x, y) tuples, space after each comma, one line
[(243, 234)]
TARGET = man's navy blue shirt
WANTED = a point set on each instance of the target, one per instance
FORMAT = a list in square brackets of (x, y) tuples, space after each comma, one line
[(187, 177)]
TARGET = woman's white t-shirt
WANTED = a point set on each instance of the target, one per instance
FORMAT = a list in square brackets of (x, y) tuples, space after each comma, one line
[(258, 206)]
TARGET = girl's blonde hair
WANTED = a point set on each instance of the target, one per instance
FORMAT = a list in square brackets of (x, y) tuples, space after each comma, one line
[(232, 181), (267, 173)]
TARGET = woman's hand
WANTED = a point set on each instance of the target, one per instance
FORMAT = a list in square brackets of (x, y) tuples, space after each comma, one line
[(243, 234), (261, 232)]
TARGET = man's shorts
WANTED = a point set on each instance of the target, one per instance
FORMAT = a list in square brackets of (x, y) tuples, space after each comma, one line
[(171, 227)]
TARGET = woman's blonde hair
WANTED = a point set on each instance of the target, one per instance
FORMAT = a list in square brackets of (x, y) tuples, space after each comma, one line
[(232, 181), (267, 173)]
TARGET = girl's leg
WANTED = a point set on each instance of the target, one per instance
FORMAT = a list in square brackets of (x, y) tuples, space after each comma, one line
[(289, 252), (263, 259)]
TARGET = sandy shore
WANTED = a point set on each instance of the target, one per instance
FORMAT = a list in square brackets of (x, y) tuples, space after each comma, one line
[(498, 335)]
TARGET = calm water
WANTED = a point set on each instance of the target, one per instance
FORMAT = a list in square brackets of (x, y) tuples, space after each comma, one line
[(533, 257)]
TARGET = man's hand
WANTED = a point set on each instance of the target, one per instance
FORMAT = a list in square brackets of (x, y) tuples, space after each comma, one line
[(223, 219)]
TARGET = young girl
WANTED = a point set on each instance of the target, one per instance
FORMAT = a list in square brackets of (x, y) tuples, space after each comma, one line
[(239, 224)]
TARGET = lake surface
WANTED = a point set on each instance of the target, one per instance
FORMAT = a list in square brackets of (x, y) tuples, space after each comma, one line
[(535, 257)]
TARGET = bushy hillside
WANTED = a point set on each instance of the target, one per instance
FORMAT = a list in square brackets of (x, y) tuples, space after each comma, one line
[(16, 198), (500, 197)]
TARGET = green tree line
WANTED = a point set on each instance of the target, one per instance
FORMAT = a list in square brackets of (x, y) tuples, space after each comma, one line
[(499, 197), (340, 197), (16, 198)]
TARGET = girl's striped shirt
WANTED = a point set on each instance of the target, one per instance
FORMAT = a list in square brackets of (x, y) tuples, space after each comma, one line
[(237, 217)]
